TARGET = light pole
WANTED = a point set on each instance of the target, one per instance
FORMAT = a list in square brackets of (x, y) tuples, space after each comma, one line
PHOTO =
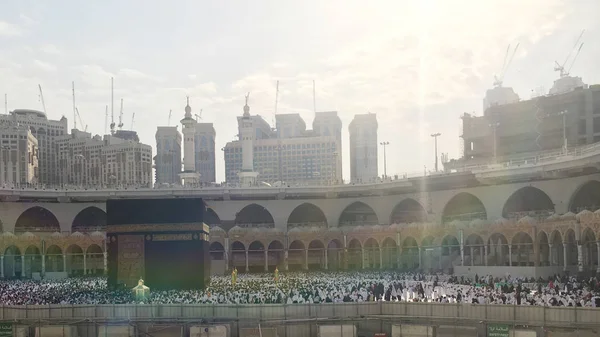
[(435, 137), (494, 127), (564, 118), (384, 144)]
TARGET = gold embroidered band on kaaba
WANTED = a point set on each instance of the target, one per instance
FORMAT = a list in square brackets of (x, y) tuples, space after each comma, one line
[(145, 228)]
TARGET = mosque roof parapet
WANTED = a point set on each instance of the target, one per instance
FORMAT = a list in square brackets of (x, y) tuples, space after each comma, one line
[(28, 235), (584, 213), (56, 235), (479, 223), (553, 217), (77, 234), (8, 234), (502, 221), (527, 220), (217, 229), (568, 216), (98, 234)]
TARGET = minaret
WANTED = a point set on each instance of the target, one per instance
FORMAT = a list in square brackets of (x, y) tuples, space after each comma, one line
[(247, 135), (189, 174)]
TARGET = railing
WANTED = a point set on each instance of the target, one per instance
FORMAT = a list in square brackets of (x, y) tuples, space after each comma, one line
[(431, 312)]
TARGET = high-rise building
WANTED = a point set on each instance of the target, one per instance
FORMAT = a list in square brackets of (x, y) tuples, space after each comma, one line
[(46, 132), (363, 148), (290, 153), (92, 161), (167, 162), (18, 155), (204, 144)]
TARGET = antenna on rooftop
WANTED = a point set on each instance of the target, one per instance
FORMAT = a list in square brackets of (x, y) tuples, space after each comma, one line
[(112, 107), (74, 108)]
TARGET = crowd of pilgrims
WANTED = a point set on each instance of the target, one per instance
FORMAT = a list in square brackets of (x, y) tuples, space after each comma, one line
[(316, 287)]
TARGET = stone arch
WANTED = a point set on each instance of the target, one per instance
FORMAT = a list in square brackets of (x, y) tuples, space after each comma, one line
[(410, 257), (94, 260), (54, 259), (335, 254), (33, 261), (238, 255), (589, 249), (372, 254), (570, 244), (464, 207), (544, 248), (74, 254), (498, 251), (474, 250), (355, 254), (89, 219), (587, 196), (13, 266), (211, 217), (296, 255), (522, 249), (389, 253), (307, 215), (276, 252), (556, 251), (254, 215), (529, 201), (357, 214), (408, 211), (217, 251), (450, 245), (316, 254), (256, 256), (37, 219)]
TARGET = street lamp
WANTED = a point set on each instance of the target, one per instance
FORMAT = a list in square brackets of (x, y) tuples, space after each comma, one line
[(494, 127), (435, 136), (564, 116), (384, 144)]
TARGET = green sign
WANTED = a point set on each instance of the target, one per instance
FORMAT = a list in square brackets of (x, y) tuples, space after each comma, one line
[(6, 329), (497, 330)]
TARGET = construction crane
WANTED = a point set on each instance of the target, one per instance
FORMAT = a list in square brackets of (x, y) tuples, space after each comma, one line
[(169, 120), (561, 67), (132, 120), (198, 115), (42, 98), (80, 121), (121, 116), (498, 79), (106, 120), (112, 108)]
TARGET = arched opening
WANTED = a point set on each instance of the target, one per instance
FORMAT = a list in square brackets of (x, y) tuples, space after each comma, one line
[(450, 246), (544, 249), (372, 254), (316, 255), (307, 215), (358, 214), (54, 259), (474, 251), (430, 258), (256, 257), (528, 201), (254, 215), (389, 253), (410, 253), (335, 254), (522, 250), (74, 260), (296, 255), (464, 207), (570, 244), (90, 219), (33, 261), (355, 255), (238, 255), (588, 243), (276, 253), (37, 219), (217, 252), (408, 211), (94, 260), (13, 263), (557, 249), (211, 217), (586, 197), (498, 254)]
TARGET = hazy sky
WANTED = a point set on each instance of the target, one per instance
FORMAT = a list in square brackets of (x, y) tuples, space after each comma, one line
[(417, 64)]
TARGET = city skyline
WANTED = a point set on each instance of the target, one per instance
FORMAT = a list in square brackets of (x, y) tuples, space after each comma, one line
[(416, 78)]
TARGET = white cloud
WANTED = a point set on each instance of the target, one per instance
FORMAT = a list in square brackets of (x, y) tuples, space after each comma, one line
[(27, 20), (49, 48), (135, 74), (44, 66), (192, 76), (9, 29)]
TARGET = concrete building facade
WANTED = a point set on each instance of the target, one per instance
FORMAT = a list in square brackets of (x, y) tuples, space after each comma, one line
[(46, 132), (18, 156), (204, 144), (363, 148), (167, 162), (290, 153)]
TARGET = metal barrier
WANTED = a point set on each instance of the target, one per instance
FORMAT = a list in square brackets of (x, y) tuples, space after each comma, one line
[(431, 312)]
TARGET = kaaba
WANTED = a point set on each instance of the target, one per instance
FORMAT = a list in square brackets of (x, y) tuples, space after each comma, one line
[(163, 241)]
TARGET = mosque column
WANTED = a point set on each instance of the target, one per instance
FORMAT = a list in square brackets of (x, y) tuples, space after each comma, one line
[(509, 255), (579, 257), (306, 259), (2, 263), (597, 248), (65, 263), (380, 258), (481, 255), (266, 260), (485, 254), (84, 264), (345, 262), (23, 266), (550, 255), (565, 247), (462, 254), (246, 260), (472, 253), (440, 260), (226, 253), (326, 262), (105, 264), (285, 260), (420, 257), (43, 264), (362, 257)]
